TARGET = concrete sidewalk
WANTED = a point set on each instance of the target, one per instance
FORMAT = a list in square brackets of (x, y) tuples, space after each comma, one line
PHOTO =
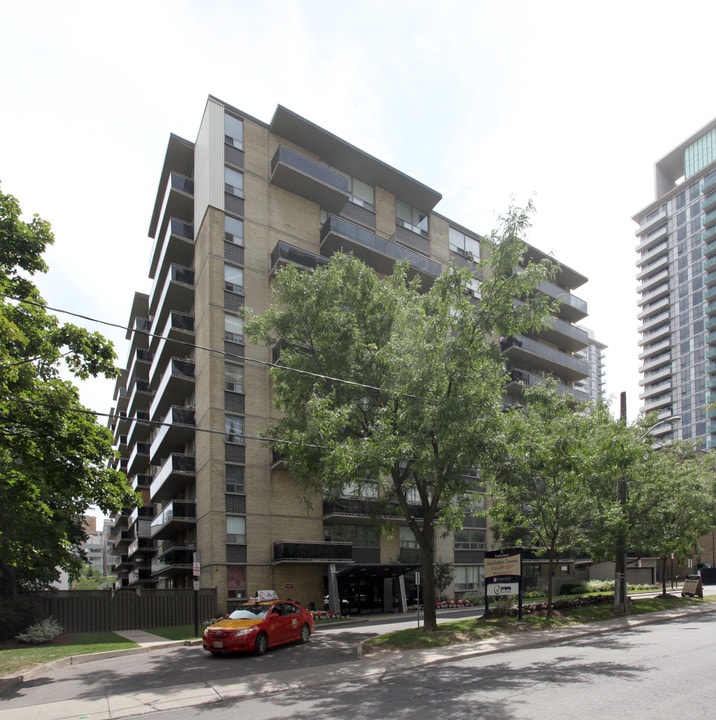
[(106, 706)]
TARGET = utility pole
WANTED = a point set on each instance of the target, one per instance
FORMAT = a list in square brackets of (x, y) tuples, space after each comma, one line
[(620, 558)]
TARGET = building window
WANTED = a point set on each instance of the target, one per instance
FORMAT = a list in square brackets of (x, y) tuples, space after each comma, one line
[(362, 194), (234, 378), (367, 490), (235, 530), (234, 429), (464, 244), (236, 581), (410, 218), (407, 538), (469, 539), (469, 577), (233, 131), (233, 182), (233, 329), (234, 479), (233, 279), (233, 230), (364, 536)]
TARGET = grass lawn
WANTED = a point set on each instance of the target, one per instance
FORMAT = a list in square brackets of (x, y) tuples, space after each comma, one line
[(474, 629), (16, 658)]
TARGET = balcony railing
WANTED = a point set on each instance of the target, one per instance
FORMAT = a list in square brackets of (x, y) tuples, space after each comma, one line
[(175, 473), (312, 552), (286, 254), (338, 234), (178, 515), (176, 560), (310, 179)]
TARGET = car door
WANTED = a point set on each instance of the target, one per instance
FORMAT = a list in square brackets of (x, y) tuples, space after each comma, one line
[(293, 621)]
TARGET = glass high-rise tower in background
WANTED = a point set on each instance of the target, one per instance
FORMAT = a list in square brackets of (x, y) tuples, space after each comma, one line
[(677, 290)]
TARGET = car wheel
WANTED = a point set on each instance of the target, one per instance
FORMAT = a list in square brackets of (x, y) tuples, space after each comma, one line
[(261, 644), (305, 634)]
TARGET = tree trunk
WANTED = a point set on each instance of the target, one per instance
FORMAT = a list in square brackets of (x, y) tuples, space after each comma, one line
[(9, 580), (430, 622), (663, 576), (550, 584)]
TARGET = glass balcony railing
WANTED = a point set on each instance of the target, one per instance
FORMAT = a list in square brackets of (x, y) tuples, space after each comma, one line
[(312, 552)]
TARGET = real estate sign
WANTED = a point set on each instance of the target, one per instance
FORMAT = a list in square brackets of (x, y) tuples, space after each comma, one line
[(503, 576)]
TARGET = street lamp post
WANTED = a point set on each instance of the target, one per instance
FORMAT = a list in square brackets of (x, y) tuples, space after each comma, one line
[(620, 559)]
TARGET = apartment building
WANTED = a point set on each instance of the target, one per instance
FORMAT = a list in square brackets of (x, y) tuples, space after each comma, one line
[(677, 290), (232, 206)]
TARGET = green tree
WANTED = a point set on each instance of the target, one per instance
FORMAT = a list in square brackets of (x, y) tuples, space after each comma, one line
[(648, 498), (671, 502), (54, 456), (382, 384), (90, 578), (538, 480)]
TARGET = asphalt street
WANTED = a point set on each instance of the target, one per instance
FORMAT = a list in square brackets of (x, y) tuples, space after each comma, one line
[(158, 678)]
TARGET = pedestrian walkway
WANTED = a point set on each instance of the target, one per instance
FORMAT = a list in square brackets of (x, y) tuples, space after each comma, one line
[(143, 639)]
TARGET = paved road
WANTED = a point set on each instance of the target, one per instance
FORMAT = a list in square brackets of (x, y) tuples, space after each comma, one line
[(652, 672), (185, 676)]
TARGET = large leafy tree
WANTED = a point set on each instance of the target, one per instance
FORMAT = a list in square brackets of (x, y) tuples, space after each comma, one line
[(381, 383), (648, 498), (670, 502), (540, 475), (54, 456)]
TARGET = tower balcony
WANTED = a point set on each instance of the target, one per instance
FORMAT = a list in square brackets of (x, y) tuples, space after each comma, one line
[(177, 428), (571, 308), (175, 561), (175, 519), (177, 244), (286, 254), (307, 178), (173, 290), (174, 474), (175, 386), (526, 352), (176, 334), (312, 552), (339, 235)]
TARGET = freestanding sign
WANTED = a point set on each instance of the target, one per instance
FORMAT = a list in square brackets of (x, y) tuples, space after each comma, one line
[(503, 576)]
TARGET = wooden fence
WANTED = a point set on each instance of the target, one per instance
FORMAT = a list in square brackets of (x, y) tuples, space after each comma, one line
[(126, 609)]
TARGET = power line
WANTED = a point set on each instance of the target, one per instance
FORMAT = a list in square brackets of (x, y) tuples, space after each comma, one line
[(228, 355)]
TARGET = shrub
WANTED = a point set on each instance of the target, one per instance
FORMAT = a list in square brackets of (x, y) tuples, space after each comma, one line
[(16, 614), (40, 633), (474, 599)]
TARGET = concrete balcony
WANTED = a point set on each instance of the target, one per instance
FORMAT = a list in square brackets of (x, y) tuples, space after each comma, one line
[(172, 290), (307, 178), (174, 520), (312, 552), (138, 459), (175, 386), (174, 474), (176, 430), (571, 308), (340, 235), (177, 245), (175, 561), (173, 340), (286, 254), (526, 352)]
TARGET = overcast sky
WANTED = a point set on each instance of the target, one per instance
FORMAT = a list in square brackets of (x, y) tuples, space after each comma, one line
[(566, 103)]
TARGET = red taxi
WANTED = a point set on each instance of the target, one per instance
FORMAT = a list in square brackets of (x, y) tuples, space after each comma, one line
[(257, 626)]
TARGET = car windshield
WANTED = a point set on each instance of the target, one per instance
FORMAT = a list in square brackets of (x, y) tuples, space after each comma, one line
[(249, 612)]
